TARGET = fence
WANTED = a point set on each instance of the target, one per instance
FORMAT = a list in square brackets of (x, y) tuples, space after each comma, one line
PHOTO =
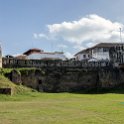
[(14, 63)]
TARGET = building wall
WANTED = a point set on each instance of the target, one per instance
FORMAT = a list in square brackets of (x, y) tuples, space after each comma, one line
[(117, 54), (82, 56), (100, 54)]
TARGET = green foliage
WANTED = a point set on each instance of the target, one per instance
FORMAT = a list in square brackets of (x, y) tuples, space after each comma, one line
[(6, 83), (18, 72), (4, 71), (25, 71)]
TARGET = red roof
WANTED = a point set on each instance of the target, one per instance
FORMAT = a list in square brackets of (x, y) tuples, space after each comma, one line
[(34, 50)]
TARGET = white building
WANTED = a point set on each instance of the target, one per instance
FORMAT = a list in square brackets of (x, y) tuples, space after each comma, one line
[(100, 51), (37, 54), (48, 56), (83, 55)]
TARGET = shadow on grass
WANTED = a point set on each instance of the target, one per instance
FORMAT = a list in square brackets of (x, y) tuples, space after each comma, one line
[(93, 91), (100, 91)]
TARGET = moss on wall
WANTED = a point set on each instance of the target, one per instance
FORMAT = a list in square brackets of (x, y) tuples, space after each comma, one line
[(68, 80)]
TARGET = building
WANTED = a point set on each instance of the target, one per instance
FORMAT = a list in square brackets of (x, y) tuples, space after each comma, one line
[(117, 54), (83, 55), (37, 54), (103, 51)]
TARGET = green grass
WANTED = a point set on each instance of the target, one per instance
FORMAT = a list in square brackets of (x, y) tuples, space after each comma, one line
[(16, 89), (62, 108), (6, 83), (27, 107)]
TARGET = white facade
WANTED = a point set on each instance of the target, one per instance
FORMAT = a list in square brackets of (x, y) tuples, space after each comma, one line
[(97, 53), (100, 53), (82, 56)]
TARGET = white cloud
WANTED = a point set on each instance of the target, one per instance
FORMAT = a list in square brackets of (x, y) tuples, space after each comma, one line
[(62, 46), (41, 35), (85, 32), (35, 35), (68, 55), (78, 47)]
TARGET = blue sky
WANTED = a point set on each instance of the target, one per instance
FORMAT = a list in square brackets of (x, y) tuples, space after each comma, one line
[(58, 25)]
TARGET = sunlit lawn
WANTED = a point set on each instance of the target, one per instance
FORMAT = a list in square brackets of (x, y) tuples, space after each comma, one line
[(62, 108)]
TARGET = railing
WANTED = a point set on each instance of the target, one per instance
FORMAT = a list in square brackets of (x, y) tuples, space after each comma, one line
[(13, 63)]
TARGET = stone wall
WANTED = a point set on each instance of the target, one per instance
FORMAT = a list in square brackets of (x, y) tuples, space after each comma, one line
[(111, 78), (32, 78), (69, 80)]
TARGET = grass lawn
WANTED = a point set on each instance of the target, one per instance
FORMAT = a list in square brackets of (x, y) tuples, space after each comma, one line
[(62, 108)]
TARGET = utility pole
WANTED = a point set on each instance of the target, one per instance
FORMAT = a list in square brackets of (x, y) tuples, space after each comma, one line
[(120, 35)]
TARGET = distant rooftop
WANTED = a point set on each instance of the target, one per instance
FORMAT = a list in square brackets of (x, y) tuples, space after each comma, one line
[(83, 51), (100, 45), (33, 50), (108, 45)]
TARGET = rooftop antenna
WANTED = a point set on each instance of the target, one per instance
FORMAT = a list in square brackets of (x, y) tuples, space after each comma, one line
[(120, 34)]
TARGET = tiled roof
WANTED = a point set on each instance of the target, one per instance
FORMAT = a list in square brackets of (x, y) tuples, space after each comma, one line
[(34, 50)]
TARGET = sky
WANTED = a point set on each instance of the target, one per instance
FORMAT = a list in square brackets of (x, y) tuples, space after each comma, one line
[(59, 25)]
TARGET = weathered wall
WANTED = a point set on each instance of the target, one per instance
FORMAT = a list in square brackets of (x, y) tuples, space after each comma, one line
[(111, 78), (16, 77), (32, 78), (59, 80), (69, 81)]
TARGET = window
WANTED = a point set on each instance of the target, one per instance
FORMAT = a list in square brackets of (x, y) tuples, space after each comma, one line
[(105, 49), (84, 56)]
